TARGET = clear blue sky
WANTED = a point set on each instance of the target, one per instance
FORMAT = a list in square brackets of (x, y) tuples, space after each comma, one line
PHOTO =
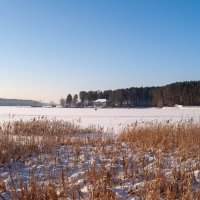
[(49, 48)]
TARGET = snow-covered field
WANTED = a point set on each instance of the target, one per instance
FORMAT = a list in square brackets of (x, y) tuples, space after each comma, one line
[(108, 118), (104, 166)]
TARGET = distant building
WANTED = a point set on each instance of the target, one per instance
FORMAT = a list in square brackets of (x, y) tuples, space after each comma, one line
[(100, 103), (178, 106)]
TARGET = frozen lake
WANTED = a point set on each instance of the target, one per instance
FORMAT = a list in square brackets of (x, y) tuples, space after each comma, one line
[(108, 118)]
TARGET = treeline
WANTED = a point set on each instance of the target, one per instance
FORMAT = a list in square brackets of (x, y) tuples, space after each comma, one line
[(183, 93), (20, 102)]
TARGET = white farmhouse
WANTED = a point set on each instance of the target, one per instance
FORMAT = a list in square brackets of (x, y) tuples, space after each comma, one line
[(100, 103)]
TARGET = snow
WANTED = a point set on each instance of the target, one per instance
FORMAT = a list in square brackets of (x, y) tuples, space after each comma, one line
[(89, 157), (197, 175), (100, 101), (111, 119), (76, 171)]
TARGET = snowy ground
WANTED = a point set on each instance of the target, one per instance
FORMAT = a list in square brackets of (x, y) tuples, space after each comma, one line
[(108, 118), (125, 168), (81, 162)]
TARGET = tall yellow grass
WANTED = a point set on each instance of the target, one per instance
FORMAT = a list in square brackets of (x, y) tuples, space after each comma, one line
[(147, 161)]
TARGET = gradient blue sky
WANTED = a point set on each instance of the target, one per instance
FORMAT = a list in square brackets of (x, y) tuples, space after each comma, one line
[(49, 48)]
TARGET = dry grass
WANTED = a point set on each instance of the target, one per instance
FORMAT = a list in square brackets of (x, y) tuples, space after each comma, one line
[(183, 138), (21, 139), (145, 161)]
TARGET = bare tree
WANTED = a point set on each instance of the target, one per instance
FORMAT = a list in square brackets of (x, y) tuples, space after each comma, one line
[(62, 102), (69, 99), (75, 98)]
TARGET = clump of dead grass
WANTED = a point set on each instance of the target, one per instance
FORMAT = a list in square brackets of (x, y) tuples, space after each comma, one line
[(144, 161)]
